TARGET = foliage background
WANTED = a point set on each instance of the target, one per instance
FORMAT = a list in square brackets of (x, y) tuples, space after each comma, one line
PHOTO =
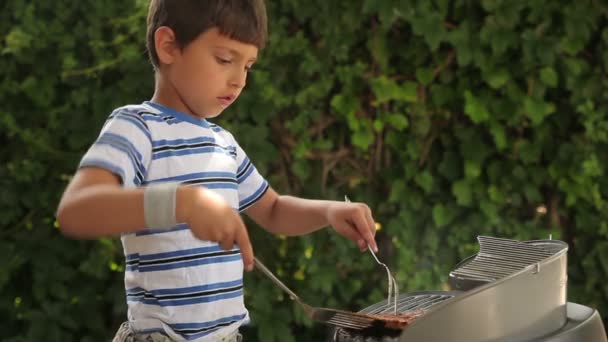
[(450, 118)]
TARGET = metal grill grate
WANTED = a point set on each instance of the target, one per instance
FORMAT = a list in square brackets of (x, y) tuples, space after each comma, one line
[(350, 321), (498, 258), (407, 302)]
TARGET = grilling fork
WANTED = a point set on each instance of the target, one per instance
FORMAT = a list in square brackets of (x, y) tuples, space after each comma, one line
[(392, 283), (340, 318)]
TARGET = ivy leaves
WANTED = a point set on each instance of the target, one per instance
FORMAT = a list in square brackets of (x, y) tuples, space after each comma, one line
[(450, 118)]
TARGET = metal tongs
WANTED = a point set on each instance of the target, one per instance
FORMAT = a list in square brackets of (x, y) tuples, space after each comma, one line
[(392, 283)]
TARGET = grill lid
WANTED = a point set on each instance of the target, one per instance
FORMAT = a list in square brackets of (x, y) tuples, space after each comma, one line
[(498, 258)]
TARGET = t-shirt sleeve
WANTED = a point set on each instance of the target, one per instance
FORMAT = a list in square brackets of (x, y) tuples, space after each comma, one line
[(123, 147), (251, 185)]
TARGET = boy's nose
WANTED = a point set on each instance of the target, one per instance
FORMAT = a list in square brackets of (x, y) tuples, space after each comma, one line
[(238, 79)]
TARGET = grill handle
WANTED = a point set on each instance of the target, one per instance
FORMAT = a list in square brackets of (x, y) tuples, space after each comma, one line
[(259, 265)]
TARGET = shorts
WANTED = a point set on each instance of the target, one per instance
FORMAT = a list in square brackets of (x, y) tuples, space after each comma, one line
[(125, 334)]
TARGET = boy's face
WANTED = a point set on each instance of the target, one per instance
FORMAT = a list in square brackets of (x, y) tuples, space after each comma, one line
[(207, 75)]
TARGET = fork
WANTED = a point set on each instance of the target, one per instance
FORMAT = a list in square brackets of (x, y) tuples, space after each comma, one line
[(392, 283)]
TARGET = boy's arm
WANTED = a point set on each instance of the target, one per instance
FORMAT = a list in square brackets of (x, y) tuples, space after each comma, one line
[(95, 205), (290, 216)]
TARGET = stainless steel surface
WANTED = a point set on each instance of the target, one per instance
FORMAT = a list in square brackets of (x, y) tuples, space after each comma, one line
[(521, 306), (393, 289), (583, 324)]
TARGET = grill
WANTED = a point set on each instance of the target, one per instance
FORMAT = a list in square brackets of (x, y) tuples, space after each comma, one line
[(509, 291), (408, 302)]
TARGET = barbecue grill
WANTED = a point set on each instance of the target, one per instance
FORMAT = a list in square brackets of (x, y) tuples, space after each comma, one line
[(509, 291)]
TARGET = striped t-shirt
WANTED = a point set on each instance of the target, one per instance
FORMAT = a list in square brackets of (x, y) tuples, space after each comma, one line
[(188, 289)]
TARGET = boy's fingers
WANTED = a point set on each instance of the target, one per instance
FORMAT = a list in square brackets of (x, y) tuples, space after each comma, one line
[(362, 226), (226, 244), (348, 230), (242, 239), (371, 223)]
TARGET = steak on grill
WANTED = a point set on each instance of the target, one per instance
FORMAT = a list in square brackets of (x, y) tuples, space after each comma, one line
[(398, 321)]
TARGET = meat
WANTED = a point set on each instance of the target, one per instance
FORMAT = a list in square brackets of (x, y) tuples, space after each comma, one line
[(398, 321)]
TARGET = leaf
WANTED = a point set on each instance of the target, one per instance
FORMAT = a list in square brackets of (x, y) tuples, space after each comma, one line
[(490, 210), (363, 138), (301, 168), (475, 108), (397, 191), (537, 110), (378, 125), (451, 166), (574, 65), (386, 90), (495, 194), (532, 194), (379, 50), (462, 191), (472, 169), (283, 333), (549, 77), (442, 216), (429, 24), (425, 180), (266, 332), (498, 78), (345, 104), (442, 95), (424, 76), (461, 38), (571, 45), (17, 40), (398, 121), (529, 152), (499, 135)]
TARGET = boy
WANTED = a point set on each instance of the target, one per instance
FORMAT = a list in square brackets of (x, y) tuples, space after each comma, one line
[(171, 183)]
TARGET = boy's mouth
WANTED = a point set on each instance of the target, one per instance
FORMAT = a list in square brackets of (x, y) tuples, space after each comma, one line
[(226, 100)]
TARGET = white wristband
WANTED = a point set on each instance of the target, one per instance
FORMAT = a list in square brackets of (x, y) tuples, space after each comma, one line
[(159, 205)]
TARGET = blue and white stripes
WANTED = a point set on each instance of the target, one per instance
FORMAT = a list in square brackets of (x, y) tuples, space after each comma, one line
[(188, 295), (181, 147), (180, 259)]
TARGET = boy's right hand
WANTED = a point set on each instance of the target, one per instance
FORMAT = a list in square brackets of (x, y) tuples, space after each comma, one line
[(211, 218)]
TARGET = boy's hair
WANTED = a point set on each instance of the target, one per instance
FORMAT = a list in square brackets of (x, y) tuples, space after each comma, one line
[(242, 20)]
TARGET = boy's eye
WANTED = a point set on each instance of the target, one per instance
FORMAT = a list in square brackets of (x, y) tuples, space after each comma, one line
[(222, 60), (249, 68)]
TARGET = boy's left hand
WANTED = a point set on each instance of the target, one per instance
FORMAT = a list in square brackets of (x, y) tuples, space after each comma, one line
[(355, 221)]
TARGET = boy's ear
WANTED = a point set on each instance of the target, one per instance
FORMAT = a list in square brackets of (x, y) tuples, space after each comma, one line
[(166, 45)]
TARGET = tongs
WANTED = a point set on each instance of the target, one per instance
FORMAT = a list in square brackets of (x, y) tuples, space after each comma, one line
[(392, 283), (340, 318)]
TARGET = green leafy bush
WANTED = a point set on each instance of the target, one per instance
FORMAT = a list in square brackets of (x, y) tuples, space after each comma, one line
[(449, 118)]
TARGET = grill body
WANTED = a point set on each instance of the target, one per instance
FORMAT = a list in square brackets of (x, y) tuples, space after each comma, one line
[(509, 291), (522, 306)]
